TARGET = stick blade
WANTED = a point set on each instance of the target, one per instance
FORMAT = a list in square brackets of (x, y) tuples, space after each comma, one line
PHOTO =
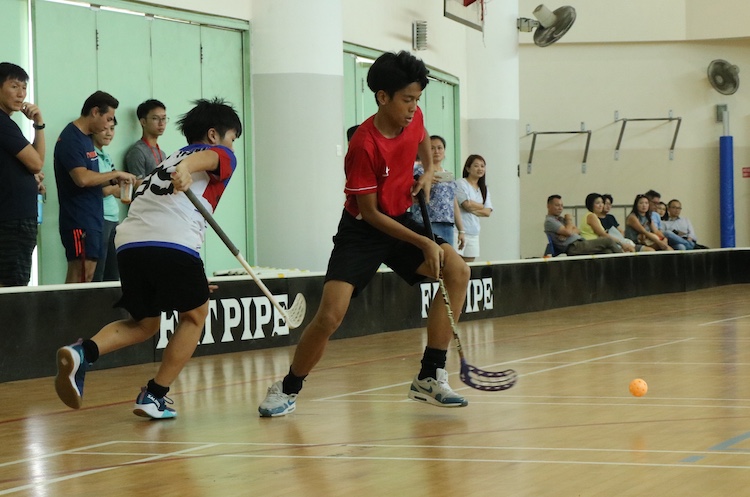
[(296, 313), (488, 381)]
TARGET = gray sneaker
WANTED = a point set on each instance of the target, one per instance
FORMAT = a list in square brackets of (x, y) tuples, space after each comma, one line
[(436, 391), (277, 403)]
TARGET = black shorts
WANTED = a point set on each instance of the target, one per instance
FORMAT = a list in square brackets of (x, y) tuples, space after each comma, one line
[(156, 279), (81, 243), (359, 250), (17, 242)]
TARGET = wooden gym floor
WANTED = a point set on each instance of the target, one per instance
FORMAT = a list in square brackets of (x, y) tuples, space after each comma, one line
[(568, 428)]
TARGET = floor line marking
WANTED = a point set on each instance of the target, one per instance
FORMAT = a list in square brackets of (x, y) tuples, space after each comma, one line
[(52, 454), (725, 320), (576, 349), (80, 474), (594, 359), (501, 461)]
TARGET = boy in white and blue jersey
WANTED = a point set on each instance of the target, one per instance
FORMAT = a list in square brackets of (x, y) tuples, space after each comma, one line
[(158, 254)]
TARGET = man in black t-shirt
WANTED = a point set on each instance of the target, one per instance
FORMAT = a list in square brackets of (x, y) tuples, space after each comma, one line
[(20, 177)]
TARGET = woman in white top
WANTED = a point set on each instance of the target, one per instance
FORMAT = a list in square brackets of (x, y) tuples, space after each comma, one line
[(474, 200)]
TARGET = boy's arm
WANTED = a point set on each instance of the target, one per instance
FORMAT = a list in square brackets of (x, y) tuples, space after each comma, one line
[(368, 208), (424, 182), (205, 160)]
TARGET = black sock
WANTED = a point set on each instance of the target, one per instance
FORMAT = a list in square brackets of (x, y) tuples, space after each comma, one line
[(90, 351), (431, 361), (292, 383), (156, 390)]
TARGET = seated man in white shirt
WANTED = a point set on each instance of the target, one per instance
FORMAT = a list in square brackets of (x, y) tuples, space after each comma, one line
[(681, 226)]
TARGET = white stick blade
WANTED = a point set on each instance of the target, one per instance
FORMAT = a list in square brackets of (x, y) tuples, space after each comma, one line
[(296, 313)]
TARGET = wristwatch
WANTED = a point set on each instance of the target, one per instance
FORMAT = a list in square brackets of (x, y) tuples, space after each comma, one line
[(39, 126)]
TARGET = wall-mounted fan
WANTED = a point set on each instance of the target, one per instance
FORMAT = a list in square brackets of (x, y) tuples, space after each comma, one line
[(550, 26), (723, 76)]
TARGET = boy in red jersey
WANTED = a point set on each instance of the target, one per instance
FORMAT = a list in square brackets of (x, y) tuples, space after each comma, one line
[(375, 229)]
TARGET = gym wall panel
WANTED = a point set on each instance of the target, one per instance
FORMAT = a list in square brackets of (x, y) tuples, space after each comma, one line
[(134, 57), (437, 104), (366, 104), (176, 67), (222, 76), (13, 43), (66, 74), (299, 201), (124, 71), (350, 92)]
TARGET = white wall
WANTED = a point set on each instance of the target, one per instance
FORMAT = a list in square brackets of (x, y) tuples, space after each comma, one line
[(639, 57), (569, 83)]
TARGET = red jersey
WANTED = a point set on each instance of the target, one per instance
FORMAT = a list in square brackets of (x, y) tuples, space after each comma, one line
[(376, 164)]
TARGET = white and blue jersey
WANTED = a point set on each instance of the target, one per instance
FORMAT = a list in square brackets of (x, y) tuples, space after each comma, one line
[(159, 217)]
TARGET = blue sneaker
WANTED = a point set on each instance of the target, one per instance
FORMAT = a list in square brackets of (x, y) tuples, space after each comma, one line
[(436, 391), (148, 406), (277, 403), (71, 369)]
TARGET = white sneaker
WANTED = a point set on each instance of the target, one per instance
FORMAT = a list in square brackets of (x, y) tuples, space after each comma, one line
[(436, 391), (277, 403)]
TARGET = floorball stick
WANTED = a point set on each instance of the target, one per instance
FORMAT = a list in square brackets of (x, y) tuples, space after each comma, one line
[(296, 313), (471, 375)]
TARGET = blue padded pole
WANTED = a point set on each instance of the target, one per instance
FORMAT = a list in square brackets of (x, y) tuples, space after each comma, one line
[(726, 190)]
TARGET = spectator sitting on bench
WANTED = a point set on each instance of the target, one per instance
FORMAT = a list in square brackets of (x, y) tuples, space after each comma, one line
[(592, 228), (566, 237), (681, 226), (640, 227), (674, 241)]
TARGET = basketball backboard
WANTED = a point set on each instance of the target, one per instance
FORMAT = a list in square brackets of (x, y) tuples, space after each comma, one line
[(470, 15)]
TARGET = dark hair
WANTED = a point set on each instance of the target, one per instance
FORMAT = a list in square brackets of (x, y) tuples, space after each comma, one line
[(673, 200), (652, 194), (590, 199), (12, 71), (147, 106), (553, 197), (394, 71), (635, 204), (607, 196), (483, 180), (207, 114), (442, 140), (665, 217), (99, 100), (350, 132)]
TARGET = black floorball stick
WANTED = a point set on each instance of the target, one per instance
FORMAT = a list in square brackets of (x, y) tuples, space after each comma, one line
[(472, 376), (296, 313)]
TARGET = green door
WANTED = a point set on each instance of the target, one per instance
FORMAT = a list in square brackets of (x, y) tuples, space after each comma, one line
[(222, 76), (65, 60)]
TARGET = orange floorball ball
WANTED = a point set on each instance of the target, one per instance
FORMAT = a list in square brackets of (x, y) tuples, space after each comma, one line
[(638, 387)]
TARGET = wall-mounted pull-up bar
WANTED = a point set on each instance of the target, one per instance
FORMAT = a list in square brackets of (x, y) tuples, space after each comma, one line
[(626, 120), (533, 143)]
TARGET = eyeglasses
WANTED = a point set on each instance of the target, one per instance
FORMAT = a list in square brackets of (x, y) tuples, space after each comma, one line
[(157, 119), (677, 208)]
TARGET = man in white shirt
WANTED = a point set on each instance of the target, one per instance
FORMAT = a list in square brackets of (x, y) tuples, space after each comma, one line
[(681, 226)]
